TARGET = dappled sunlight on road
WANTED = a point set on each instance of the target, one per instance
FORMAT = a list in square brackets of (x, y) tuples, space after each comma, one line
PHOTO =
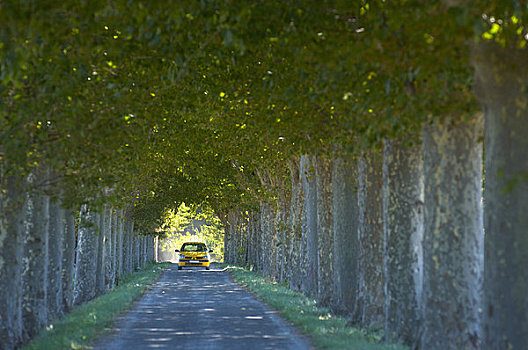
[(200, 308)]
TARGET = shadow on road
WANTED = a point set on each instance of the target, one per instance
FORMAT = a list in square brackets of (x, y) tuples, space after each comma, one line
[(196, 308)]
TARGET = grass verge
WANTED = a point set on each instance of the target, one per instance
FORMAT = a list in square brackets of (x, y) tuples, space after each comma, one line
[(326, 330), (90, 321)]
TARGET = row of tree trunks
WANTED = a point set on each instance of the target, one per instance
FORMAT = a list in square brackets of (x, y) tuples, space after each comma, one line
[(392, 240), (49, 262)]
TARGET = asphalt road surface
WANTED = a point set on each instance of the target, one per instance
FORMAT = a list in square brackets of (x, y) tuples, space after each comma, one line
[(199, 309)]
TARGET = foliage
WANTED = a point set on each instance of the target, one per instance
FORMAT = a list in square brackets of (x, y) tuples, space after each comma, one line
[(326, 330), (90, 321), (152, 103), (192, 224)]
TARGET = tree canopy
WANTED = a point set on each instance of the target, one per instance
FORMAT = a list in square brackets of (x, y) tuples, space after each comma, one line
[(157, 103)]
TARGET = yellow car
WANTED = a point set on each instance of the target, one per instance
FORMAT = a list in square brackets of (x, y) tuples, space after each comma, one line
[(194, 254)]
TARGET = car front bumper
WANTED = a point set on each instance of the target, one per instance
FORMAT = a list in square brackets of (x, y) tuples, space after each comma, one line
[(190, 262)]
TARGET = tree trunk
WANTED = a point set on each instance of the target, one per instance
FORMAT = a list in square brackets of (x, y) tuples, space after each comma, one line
[(371, 297), (266, 222), (258, 240), (403, 187), (296, 208), (127, 244), (120, 245), (156, 249), (132, 248), (251, 241), (108, 257), (56, 246), (86, 260), (325, 234), (100, 272), (68, 260), (144, 259), (501, 76), (135, 251), (309, 227), (11, 255), (114, 226), (453, 235), (282, 234), (345, 229), (35, 277)]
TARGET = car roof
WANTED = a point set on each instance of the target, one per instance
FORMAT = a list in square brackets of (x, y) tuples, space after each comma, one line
[(194, 243)]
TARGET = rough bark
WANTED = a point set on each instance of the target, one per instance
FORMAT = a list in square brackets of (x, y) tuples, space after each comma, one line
[(68, 260), (113, 269), (230, 238), (309, 226), (86, 258), (131, 249), (371, 297), (345, 229), (325, 233), (100, 265), (108, 256), (501, 76), (156, 249), (295, 248), (258, 239), (55, 251), (144, 251), (226, 243), (403, 230), (282, 234), (120, 245), (135, 251), (35, 277), (11, 254), (251, 241), (267, 250), (453, 235), (127, 253), (150, 253)]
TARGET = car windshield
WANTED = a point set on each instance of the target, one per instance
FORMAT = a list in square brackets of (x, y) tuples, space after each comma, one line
[(193, 247)]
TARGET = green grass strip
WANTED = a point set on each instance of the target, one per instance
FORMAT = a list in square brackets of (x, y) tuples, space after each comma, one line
[(327, 331), (92, 320)]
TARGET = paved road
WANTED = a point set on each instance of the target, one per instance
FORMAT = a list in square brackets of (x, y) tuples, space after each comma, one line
[(199, 309)]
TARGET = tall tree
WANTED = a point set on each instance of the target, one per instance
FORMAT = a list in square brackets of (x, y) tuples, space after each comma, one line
[(11, 257), (453, 234), (35, 275), (403, 233), (325, 234), (55, 252), (309, 226), (86, 257), (68, 259), (345, 229), (501, 77), (371, 297)]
